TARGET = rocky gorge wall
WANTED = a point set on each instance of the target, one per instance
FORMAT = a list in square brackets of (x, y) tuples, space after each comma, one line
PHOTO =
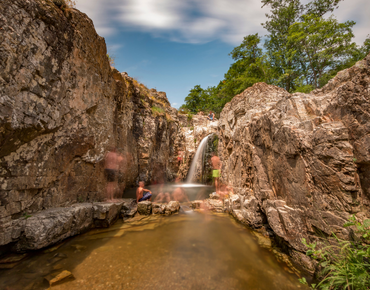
[(62, 107), (300, 162)]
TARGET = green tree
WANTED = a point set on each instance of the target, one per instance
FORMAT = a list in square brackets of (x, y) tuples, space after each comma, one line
[(358, 53), (194, 99), (249, 67), (322, 43), (286, 67)]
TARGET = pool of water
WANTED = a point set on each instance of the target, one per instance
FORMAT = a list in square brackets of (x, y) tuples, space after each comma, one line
[(193, 250)]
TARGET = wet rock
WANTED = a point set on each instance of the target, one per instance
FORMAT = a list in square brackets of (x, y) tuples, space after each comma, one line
[(106, 213), (144, 207), (215, 205), (214, 195), (59, 278), (55, 225), (129, 208), (172, 207), (159, 208), (196, 204)]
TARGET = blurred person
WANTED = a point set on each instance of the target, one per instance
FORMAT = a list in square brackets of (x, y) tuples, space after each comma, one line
[(179, 194), (163, 197), (180, 159), (216, 172), (111, 170), (142, 193), (211, 116)]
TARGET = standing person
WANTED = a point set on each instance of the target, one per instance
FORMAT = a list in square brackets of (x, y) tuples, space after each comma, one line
[(111, 168), (140, 195), (216, 173), (180, 158), (211, 116)]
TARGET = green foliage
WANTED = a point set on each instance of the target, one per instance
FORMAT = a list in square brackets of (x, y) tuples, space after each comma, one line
[(26, 215), (190, 116), (303, 50), (320, 44), (157, 111), (344, 264), (110, 59)]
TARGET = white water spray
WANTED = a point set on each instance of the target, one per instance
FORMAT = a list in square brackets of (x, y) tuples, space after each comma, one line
[(199, 154)]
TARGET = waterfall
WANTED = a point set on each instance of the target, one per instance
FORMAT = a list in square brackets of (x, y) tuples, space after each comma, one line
[(199, 154)]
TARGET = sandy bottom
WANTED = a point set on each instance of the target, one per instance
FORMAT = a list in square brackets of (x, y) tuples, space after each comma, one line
[(186, 251)]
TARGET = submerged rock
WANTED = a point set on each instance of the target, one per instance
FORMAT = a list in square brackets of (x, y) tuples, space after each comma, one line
[(59, 278), (144, 207)]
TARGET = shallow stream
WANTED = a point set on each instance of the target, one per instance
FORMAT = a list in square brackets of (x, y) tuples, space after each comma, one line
[(192, 250)]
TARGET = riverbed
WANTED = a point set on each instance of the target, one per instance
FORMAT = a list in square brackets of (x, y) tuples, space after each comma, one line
[(191, 250)]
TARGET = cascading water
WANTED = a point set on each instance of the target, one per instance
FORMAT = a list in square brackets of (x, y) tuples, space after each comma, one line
[(194, 163)]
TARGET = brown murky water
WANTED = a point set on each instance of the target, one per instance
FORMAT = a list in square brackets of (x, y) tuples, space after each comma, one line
[(185, 251)]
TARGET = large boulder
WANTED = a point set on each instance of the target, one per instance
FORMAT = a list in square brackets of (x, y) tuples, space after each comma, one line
[(129, 208), (144, 207), (300, 162), (106, 213), (172, 207), (159, 208), (51, 226)]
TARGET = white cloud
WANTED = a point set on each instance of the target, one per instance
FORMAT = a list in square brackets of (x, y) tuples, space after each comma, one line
[(357, 10), (194, 21)]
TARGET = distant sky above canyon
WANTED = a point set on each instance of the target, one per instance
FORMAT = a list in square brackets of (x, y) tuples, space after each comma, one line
[(174, 45)]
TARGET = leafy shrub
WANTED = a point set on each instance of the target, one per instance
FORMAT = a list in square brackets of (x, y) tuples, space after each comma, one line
[(190, 116), (345, 264), (157, 111), (110, 59)]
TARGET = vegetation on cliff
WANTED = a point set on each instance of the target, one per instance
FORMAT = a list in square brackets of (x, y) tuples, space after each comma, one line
[(303, 50), (344, 264)]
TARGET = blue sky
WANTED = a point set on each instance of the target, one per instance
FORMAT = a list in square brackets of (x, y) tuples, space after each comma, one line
[(174, 45)]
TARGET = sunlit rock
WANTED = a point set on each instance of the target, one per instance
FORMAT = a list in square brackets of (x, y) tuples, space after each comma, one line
[(299, 162)]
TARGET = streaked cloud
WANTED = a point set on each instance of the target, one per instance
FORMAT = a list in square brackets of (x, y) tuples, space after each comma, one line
[(194, 21)]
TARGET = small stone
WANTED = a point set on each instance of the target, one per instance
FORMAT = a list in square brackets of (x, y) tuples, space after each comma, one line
[(61, 277)]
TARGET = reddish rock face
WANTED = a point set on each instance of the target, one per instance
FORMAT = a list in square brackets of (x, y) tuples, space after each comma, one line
[(303, 157), (62, 107)]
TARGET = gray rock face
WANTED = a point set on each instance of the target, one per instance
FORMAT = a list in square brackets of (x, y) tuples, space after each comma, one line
[(144, 207), (54, 225), (129, 208), (62, 107), (300, 162)]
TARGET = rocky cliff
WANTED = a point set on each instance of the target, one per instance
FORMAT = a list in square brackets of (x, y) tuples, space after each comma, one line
[(300, 162), (62, 107)]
